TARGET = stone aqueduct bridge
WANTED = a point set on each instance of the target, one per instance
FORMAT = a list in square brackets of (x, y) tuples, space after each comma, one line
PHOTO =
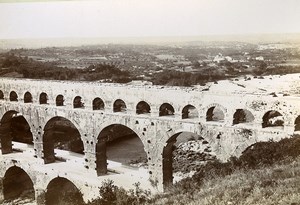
[(228, 121)]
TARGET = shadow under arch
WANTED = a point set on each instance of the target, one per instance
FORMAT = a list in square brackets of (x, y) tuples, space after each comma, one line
[(118, 143), (17, 183), (168, 157), (60, 133), (14, 127), (62, 191)]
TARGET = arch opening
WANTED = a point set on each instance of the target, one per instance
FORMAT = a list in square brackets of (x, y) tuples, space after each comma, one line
[(27, 97), (272, 118), (118, 143), (60, 134), (119, 106), (143, 108), (189, 112), (17, 184), (43, 98), (1, 95), (62, 191), (98, 104), (13, 96), (215, 114), (77, 102), (182, 151), (59, 100), (14, 127), (242, 116), (166, 109), (297, 124)]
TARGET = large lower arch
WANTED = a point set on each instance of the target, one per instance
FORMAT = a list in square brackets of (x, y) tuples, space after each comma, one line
[(272, 118), (17, 183), (61, 191), (168, 156), (60, 133), (118, 143), (14, 127)]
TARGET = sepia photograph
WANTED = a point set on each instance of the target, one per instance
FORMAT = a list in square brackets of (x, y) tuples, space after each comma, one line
[(139, 102)]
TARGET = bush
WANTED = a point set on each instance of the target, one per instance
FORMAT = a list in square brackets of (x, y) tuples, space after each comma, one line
[(110, 194)]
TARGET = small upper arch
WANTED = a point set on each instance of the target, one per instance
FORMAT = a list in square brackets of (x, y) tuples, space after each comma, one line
[(43, 98), (119, 106), (189, 112), (27, 97), (166, 109), (1, 95), (98, 104), (272, 118), (77, 102), (215, 113), (143, 108), (13, 96), (242, 116), (59, 101)]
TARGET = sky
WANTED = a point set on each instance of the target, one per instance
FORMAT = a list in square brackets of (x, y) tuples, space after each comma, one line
[(146, 18)]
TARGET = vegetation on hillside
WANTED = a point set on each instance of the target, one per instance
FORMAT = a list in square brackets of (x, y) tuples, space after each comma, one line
[(29, 68), (266, 173)]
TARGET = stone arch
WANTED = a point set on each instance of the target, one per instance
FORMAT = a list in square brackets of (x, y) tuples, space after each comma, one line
[(166, 109), (27, 97), (272, 118), (62, 134), (168, 157), (242, 116), (143, 108), (215, 113), (297, 124), (118, 143), (14, 127), (17, 183), (189, 112), (119, 106), (77, 102), (60, 190), (59, 100), (98, 104), (43, 99), (1, 95), (13, 96)]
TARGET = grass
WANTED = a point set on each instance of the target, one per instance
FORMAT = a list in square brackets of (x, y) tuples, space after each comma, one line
[(267, 173), (277, 184)]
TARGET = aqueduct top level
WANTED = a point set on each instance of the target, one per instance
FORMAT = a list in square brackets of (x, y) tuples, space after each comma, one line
[(228, 115)]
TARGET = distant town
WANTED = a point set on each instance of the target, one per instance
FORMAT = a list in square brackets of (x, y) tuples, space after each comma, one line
[(182, 64)]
